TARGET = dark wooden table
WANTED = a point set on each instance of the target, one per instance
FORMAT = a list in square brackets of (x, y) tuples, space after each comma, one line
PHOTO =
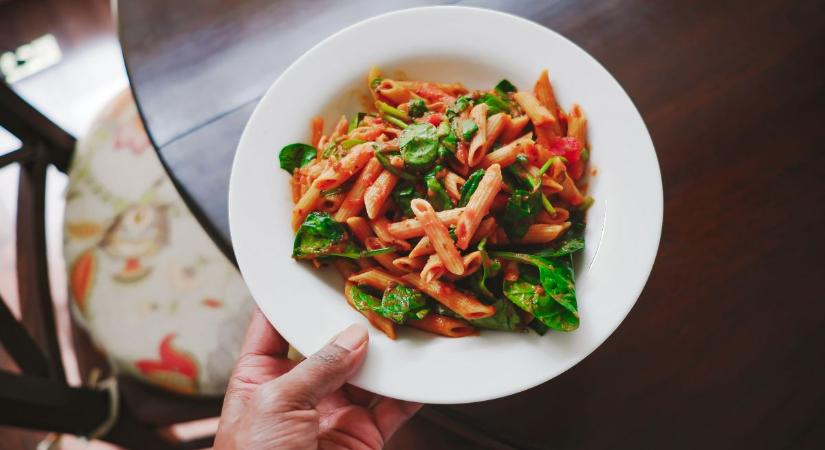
[(725, 346)]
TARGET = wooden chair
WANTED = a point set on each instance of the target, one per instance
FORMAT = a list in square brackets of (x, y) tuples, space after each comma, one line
[(127, 413)]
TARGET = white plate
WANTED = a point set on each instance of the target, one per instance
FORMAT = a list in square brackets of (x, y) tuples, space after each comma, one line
[(477, 47)]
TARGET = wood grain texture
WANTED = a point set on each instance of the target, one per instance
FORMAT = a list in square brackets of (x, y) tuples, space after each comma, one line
[(723, 349)]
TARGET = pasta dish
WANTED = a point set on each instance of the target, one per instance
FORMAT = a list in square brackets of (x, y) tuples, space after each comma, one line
[(447, 209)]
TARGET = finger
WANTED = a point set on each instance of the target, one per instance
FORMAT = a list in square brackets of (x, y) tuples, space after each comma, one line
[(389, 414), (262, 339), (320, 374), (259, 361)]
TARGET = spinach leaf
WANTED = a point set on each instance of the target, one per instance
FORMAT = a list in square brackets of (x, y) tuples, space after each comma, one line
[(403, 193), (470, 187), (297, 155), (416, 107), (553, 299), (495, 104), (356, 119), (385, 162), (571, 242), (436, 194), (524, 177), (419, 145), (461, 103), (320, 235), (504, 86), (521, 208), (506, 318), (468, 129), (399, 303)]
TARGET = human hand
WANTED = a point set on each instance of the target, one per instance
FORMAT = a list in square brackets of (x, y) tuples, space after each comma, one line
[(272, 402)]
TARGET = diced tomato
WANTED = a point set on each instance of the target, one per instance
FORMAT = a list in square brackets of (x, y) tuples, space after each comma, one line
[(434, 119), (568, 147)]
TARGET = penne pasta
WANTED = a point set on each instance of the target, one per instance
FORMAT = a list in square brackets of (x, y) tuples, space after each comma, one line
[(336, 174), (537, 113), (375, 197), (514, 129), (380, 226), (433, 269), (477, 144), (409, 264), (577, 125), (411, 228), (543, 233), (353, 203), (422, 248), (477, 207), (363, 233), (545, 95), (438, 235), (452, 184), (506, 155), (316, 127), (443, 326), (377, 278), (463, 304)]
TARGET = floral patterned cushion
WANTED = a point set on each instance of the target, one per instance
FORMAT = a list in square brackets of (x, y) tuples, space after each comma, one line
[(145, 280)]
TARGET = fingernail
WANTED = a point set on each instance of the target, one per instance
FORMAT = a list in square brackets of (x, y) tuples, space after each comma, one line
[(352, 338)]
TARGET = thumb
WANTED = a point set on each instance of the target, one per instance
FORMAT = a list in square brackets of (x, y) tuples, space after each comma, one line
[(322, 373)]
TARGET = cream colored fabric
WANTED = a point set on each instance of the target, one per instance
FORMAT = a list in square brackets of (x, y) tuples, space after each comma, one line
[(145, 280)]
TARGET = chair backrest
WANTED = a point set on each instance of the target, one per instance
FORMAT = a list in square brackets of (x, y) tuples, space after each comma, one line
[(43, 144)]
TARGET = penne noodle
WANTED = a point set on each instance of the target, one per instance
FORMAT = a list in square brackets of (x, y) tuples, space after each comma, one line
[(545, 95), (363, 233), (295, 185), (340, 128), (433, 269), (353, 203), (409, 264), (453, 184), (569, 191), (437, 232), (484, 228), (393, 92), (336, 174), (380, 227), (506, 155), (496, 125), (472, 262), (560, 216), (463, 304), (477, 207), (305, 204), (443, 325), (375, 197), (377, 279), (422, 248), (477, 144), (330, 202), (514, 129), (537, 113), (543, 233), (378, 321), (316, 128), (411, 228), (577, 125)]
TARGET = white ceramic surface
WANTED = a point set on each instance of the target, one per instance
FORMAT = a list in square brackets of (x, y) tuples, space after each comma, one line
[(307, 305)]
